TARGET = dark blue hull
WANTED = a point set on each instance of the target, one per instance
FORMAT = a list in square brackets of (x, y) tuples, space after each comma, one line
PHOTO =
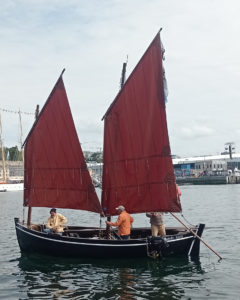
[(86, 242)]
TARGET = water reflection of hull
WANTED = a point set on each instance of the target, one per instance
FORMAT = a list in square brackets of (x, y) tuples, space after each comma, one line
[(91, 242), (135, 278)]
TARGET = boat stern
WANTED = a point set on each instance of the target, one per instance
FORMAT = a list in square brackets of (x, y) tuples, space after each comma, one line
[(194, 250)]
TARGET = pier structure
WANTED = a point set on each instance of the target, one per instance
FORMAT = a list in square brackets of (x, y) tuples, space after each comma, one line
[(14, 171), (209, 169)]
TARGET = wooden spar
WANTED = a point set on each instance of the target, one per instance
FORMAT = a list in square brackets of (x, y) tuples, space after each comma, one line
[(29, 207), (29, 215), (196, 235)]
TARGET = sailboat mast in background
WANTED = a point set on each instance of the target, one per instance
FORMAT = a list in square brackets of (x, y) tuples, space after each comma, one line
[(21, 135), (3, 154)]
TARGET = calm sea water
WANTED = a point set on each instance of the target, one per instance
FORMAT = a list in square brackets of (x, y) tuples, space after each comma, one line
[(41, 277)]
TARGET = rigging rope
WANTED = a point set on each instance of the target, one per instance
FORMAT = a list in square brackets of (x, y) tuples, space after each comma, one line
[(15, 112), (187, 221)]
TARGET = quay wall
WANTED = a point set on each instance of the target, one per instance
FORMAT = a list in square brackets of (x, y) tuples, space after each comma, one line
[(202, 180)]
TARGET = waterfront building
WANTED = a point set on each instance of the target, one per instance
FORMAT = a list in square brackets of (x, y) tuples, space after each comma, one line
[(222, 164), (14, 171)]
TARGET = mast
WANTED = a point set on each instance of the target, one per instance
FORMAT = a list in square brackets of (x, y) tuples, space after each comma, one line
[(29, 207), (123, 76), (122, 81), (3, 154)]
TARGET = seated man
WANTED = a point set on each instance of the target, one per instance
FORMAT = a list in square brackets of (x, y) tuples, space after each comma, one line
[(55, 223)]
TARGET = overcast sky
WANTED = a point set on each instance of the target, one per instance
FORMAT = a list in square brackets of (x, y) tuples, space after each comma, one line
[(91, 39)]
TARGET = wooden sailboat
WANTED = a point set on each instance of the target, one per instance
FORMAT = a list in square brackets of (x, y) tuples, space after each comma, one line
[(137, 173)]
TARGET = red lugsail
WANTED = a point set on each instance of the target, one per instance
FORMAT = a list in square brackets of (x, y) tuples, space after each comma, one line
[(56, 174), (138, 171)]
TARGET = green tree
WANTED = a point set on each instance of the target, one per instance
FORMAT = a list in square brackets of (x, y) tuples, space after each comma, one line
[(96, 156), (14, 154)]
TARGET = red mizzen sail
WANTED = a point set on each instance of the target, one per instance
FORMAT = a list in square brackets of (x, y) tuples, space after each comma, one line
[(56, 173), (138, 171)]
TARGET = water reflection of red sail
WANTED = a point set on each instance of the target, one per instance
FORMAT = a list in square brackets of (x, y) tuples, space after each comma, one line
[(138, 171)]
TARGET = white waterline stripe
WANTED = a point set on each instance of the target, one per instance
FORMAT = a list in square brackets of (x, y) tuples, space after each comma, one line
[(89, 244), (80, 243), (180, 239)]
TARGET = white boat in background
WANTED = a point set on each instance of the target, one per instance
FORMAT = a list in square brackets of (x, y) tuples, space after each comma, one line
[(10, 187)]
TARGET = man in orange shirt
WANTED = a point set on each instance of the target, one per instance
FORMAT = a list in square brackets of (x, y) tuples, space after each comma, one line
[(123, 223)]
